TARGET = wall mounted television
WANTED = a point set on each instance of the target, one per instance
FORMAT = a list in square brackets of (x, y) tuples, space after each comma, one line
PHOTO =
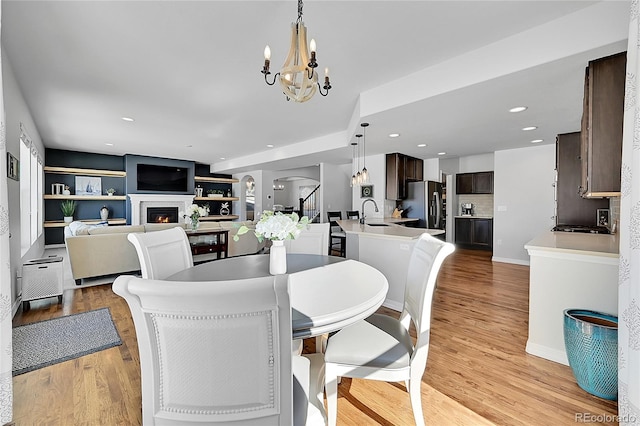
[(152, 177)]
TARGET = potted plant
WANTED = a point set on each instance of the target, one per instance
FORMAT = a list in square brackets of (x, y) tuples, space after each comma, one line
[(110, 192), (214, 193), (68, 207)]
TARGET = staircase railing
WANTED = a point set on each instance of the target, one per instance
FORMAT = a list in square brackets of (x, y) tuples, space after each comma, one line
[(309, 206)]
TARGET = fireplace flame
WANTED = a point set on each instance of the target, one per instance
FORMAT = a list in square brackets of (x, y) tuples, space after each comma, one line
[(162, 219)]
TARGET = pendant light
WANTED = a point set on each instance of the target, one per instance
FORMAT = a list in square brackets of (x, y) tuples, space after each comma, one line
[(365, 172), (358, 175), (354, 182)]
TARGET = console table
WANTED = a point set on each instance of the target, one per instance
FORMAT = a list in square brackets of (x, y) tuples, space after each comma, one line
[(208, 244)]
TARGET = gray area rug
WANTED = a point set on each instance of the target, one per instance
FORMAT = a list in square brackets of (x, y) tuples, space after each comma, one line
[(44, 343)]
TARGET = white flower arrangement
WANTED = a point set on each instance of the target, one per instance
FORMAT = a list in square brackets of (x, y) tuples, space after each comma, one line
[(276, 226), (195, 212)]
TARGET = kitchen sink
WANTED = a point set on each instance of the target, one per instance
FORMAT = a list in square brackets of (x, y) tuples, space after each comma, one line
[(378, 224)]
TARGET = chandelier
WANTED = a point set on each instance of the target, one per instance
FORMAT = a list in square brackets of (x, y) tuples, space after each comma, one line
[(297, 77)]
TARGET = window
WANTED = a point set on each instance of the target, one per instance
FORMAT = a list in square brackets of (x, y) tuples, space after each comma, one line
[(31, 192)]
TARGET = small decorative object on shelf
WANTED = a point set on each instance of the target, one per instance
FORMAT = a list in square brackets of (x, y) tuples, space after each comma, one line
[(57, 188), (276, 227), (229, 193), (68, 208), (111, 191), (104, 213), (198, 191), (194, 214), (214, 193), (224, 210), (66, 190)]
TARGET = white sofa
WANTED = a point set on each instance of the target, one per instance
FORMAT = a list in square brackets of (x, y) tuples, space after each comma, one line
[(95, 251)]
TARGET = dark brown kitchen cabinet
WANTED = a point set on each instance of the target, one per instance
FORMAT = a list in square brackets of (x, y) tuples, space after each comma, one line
[(400, 170), (474, 232), (474, 183), (571, 207), (601, 130)]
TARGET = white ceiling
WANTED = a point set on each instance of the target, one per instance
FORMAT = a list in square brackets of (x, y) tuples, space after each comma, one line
[(442, 73)]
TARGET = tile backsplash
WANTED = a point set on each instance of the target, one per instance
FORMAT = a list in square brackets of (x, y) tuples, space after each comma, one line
[(483, 204)]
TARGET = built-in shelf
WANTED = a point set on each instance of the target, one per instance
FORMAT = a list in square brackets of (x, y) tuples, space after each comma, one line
[(85, 197), (87, 172), (216, 198), (215, 180), (61, 223), (218, 217)]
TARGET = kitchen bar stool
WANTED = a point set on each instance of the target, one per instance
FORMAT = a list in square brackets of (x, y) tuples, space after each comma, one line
[(353, 214), (336, 233)]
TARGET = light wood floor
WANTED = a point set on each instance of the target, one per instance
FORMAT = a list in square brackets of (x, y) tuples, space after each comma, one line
[(478, 372)]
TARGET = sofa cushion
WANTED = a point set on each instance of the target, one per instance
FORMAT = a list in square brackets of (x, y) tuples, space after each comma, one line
[(149, 227), (116, 229)]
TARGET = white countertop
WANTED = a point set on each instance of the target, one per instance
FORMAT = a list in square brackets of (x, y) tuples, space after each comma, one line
[(393, 230), (578, 243)]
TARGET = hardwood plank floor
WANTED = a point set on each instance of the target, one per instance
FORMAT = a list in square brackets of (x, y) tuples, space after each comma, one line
[(478, 372)]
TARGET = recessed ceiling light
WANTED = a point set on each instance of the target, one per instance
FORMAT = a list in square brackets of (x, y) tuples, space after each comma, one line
[(529, 128), (536, 141), (128, 119), (394, 135), (441, 153), (222, 158), (269, 146), (108, 144), (518, 109), (422, 145)]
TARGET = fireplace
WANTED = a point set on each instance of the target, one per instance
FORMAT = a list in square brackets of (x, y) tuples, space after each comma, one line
[(140, 203), (162, 215)]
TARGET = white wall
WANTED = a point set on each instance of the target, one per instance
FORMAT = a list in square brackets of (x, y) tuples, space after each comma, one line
[(523, 200), (431, 169), (476, 163), (16, 112), (335, 192)]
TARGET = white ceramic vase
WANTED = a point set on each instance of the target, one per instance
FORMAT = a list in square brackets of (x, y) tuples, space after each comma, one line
[(104, 213), (277, 258)]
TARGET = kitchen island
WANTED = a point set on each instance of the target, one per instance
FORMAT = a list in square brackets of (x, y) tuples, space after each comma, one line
[(568, 270), (386, 245)]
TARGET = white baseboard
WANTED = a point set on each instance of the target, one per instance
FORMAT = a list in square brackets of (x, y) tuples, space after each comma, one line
[(545, 352), (392, 304), (508, 260)]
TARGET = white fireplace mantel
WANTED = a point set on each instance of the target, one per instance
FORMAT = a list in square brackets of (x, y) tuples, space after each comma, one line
[(140, 203)]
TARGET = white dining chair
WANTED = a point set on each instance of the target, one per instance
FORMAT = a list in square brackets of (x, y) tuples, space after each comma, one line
[(313, 239), (162, 253), (380, 347), (219, 352)]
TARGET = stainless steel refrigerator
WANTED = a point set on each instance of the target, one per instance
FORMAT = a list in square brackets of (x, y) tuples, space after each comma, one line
[(425, 202)]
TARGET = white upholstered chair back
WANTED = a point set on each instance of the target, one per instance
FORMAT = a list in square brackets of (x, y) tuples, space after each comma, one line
[(162, 253), (380, 347), (424, 265), (313, 239), (213, 352)]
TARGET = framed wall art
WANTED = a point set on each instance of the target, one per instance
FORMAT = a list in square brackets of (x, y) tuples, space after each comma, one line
[(603, 217), (86, 185), (13, 167), (366, 191)]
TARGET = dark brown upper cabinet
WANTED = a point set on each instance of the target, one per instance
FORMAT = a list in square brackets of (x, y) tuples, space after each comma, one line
[(474, 183), (400, 170), (601, 132), (571, 207)]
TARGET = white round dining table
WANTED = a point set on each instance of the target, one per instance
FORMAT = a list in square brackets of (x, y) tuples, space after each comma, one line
[(327, 293)]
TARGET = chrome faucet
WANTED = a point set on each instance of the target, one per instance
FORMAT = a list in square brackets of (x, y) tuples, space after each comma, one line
[(374, 204)]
